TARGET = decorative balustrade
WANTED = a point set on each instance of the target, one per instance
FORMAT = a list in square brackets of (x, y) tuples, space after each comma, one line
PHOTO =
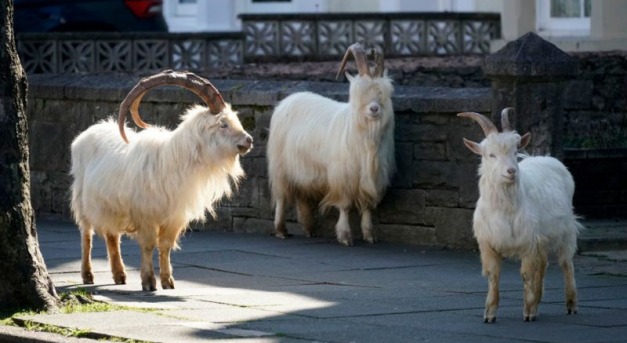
[(323, 36), (127, 52), (265, 37)]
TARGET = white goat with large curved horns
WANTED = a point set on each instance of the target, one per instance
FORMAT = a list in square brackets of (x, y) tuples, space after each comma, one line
[(152, 187), (524, 211), (334, 153)]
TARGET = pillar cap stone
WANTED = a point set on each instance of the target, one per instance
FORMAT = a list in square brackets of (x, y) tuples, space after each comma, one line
[(530, 56)]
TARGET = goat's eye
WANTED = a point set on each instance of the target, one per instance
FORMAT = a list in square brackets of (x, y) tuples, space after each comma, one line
[(223, 125), (492, 156)]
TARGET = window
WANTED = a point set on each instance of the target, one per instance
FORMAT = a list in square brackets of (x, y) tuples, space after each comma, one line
[(570, 9), (564, 17)]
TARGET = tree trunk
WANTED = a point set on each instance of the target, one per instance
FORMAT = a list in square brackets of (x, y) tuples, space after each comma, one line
[(25, 283)]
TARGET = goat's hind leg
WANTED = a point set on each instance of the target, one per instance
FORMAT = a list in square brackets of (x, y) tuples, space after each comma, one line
[(280, 230), (87, 234), (115, 258), (305, 217), (343, 229), (366, 226), (569, 284)]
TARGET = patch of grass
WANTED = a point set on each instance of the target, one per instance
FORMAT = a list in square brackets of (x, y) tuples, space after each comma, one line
[(32, 326), (76, 301), (7, 318)]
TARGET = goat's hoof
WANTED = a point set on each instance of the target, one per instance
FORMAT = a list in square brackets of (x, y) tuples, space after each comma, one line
[(167, 283), (88, 278), (282, 235), (346, 242), (489, 320), (120, 279), (530, 318), (309, 234), (149, 288), (572, 311), (370, 240), (149, 284)]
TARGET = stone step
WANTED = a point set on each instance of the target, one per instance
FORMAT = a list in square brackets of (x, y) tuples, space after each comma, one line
[(603, 234)]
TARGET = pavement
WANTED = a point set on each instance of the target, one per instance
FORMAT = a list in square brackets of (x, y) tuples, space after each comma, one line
[(234, 287)]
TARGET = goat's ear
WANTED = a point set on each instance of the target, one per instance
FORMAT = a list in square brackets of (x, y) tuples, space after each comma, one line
[(474, 147), (524, 140)]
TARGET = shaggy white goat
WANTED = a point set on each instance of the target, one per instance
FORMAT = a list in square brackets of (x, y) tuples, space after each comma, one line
[(152, 187), (524, 211), (335, 153)]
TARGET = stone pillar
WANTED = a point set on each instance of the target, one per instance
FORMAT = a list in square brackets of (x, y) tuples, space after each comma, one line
[(528, 74)]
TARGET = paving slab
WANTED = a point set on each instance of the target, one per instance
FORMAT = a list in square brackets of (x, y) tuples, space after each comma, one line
[(256, 288)]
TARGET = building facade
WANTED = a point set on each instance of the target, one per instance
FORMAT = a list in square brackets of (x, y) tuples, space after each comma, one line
[(573, 25)]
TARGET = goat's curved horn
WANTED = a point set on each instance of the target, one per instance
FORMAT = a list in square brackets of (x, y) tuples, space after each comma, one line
[(200, 86), (379, 67), (360, 60), (505, 124), (486, 124)]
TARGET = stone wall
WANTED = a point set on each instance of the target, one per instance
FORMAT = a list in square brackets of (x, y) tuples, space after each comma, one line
[(596, 102), (601, 185), (430, 202)]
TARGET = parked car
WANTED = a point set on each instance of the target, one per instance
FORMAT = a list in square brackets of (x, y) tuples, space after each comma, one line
[(89, 15)]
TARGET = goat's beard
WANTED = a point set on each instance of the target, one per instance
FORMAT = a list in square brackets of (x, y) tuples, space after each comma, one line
[(500, 191)]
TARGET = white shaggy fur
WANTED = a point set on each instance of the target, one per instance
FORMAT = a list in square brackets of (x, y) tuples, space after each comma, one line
[(153, 186), (335, 153), (524, 211)]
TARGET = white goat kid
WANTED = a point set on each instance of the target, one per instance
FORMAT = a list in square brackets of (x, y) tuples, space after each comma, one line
[(152, 187), (334, 153), (524, 211)]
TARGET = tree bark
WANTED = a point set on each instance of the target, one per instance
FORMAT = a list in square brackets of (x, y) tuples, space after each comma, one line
[(24, 280)]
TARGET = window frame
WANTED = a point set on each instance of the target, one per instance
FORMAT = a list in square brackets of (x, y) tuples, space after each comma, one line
[(560, 26)]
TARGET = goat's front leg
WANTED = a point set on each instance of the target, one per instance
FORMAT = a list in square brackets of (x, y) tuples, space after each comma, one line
[(147, 238), (167, 239), (569, 282), (87, 234), (366, 226), (343, 229), (115, 258), (305, 216), (532, 272), (491, 269), (280, 230)]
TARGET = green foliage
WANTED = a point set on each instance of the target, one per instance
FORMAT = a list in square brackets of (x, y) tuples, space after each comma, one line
[(598, 133), (32, 326)]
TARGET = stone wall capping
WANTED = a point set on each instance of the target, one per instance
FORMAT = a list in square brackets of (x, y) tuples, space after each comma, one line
[(258, 93), (530, 56)]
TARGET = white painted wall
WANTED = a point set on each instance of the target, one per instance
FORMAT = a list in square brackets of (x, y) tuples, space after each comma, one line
[(203, 16), (221, 15)]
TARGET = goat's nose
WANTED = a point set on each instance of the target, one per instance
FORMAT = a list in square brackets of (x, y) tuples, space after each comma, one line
[(511, 171), (374, 108), (249, 139)]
